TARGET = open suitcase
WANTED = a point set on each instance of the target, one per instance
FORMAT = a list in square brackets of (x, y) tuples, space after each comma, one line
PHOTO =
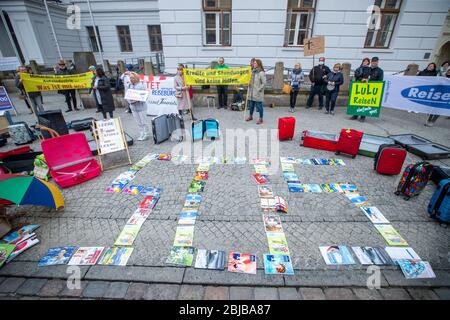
[(319, 140), (211, 129), (70, 159), (370, 144)]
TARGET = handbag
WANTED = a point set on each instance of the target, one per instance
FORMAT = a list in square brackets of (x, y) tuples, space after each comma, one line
[(287, 88)]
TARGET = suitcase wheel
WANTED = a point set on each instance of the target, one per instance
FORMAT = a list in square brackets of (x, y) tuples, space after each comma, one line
[(353, 157), (397, 193), (337, 153)]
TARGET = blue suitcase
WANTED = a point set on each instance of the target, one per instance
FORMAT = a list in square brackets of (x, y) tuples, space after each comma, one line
[(439, 207), (197, 130), (211, 129)]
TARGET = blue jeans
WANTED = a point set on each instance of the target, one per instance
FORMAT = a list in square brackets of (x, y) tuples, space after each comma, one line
[(258, 104)]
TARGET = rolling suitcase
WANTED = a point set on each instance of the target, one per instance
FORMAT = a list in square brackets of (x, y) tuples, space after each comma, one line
[(319, 140), (20, 133), (211, 129), (160, 127), (439, 207), (286, 128), (197, 130), (389, 159), (53, 119), (414, 179), (83, 124), (176, 126), (440, 173), (349, 142)]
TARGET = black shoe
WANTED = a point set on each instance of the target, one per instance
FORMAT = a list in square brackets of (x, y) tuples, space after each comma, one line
[(77, 109), (320, 108), (98, 111), (307, 107), (332, 113), (354, 118), (69, 110), (194, 119), (362, 119), (327, 112)]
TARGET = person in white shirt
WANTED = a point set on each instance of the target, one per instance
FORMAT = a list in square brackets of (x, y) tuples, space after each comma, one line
[(125, 78), (138, 108)]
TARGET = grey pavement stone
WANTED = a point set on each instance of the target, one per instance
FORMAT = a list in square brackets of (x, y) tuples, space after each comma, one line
[(132, 273), (242, 293), (367, 294), (10, 285), (31, 287), (443, 293), (52, 288), (96, 289), (312, 293), (2, 279), (289, 294), (117, 290), (191, 292), (396, 278), (31, 269), (75, 293), (212, 277), (394, 294), (136, 291), (266, 293), (339, 294), (423, 294), (329, 278), (217, 293), (162, 292)]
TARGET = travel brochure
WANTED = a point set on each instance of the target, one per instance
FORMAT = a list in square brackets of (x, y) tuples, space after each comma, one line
[(372, 255), (316, 161), (277, 243), (414, 269), (336, 255), (127, 236), (261, 178), (259, 161), (261, 169), (287, 167), (181, 256), (56, 256), (291, 177), (22, 246), (193, 201), (358, 200), (398, 253), (374, 215), (164, 157), (268, 205), (296, 186), (184, 236), (265, 191), (149, 202), (242, 262), (278, 264), (187, 217), (16, 236), (86, 256), (272, 223), (291, 160), (203, 167), (116, 256), (197, 186), (5, 252), (392, 237), (210, 259), (201, 175)]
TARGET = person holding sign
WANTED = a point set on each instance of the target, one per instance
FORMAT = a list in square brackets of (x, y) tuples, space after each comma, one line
[(70, 95), (102, 89), (138, 108), (333, 81), (222, 90), (35, 97), (256, 90)]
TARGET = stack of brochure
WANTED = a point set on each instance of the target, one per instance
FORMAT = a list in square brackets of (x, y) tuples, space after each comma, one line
[(16, 242)]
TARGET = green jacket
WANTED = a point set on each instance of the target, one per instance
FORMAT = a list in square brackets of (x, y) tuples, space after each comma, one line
[(224, 66)]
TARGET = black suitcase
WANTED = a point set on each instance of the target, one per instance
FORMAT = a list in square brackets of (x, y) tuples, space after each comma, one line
[(176, 126), (439, 174), (431, 151), (83, 124), (160, 128), (3, 141), (17, 163), (53, 119)]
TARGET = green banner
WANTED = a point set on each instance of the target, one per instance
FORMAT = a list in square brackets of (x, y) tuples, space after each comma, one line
[(365, 98)]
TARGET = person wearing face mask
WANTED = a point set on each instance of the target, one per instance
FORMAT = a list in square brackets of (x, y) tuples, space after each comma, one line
[(333, 80), (138, 108), (181, 92), (316, 76), (70, 95), (297, 78), (444, 68), (430, 71)]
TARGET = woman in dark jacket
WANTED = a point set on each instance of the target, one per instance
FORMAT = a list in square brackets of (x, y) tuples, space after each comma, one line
[(334, 79), (102, 89), (363, 72), (430, 71)]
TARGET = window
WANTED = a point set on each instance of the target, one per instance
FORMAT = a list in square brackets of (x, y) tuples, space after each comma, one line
[(299, 21), (154, 33), (217, 22), (124, 38), (389, 11), (92, 41)]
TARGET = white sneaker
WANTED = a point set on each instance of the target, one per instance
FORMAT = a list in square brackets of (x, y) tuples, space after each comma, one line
[(141, 137), (145, 137)]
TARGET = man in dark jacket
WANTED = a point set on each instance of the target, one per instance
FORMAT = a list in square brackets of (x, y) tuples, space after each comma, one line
[(376, 74), (70, 95), (316, 76)]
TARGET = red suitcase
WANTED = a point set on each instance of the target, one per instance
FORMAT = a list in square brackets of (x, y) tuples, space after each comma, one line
[(319, 140), (349, 142), (389, 159), (286, 128), (70, 159)]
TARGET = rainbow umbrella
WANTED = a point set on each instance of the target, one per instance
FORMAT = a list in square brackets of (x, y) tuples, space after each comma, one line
[(23, 189)]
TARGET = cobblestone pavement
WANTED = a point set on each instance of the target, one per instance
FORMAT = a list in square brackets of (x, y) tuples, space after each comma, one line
[(230, 219)]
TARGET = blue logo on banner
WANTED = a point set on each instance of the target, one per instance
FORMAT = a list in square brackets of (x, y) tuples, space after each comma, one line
[(437, 96)]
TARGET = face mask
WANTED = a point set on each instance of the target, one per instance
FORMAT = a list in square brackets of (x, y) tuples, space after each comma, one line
[(336, 70), (321, 63)]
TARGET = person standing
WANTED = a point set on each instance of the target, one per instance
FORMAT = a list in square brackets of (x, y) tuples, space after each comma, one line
[(297, 78), (103, 91), (444, 68), (91, 89), (333, 80), (430, 71), (363, 72), (181, 92), (256, 88), (316, 76), (18, 83), (222, 90), (125, 80), (138, 108), (70, 95)]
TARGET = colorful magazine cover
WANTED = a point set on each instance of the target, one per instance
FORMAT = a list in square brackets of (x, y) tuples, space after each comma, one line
[(287, 167), (22, 246), (414, 269), (277, 243), (151, 191), (339, 162), (184, 236), (398, 253), (327, 188), (187, 217), (281, 204), (295, 187), (265, 191), (272, 223), (115, 188), (392, 237), (148, 202), (193, 201), (358, 200), (203, 167), (336, 187), (268, 205), (178, 159), (313, 188), (242, 262), (336, 255), (116, 256), (304, 161), (164, 157), (260, 161), (261, 178), (324, 162), (261, 169), (136, 220), (144, 213), (127, 236), (348, 188), (210, 259), (5, 252), (58, 255), (372, 255), (181, 256), (13, 236), (278, 264), (133, 189), (201, 175), (22, 238), (197, 186), (291, 160), (86, 256), (290, 177), (374, 215)]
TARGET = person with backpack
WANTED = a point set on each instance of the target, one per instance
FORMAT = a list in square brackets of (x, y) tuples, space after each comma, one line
[(256, 87), (316, 76), (222, 90), (297, 78), (333, 80)]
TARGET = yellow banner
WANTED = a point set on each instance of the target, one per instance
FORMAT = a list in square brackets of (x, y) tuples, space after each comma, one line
[(198, 77), (43, 82)]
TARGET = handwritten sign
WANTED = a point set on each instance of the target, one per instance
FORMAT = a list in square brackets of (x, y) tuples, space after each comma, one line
[(110, 136), (313, 46)]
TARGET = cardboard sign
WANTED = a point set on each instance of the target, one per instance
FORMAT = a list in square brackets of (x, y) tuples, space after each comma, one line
[(5, 102), (365, 98), (136, 95), (313, 46), (110, 136)]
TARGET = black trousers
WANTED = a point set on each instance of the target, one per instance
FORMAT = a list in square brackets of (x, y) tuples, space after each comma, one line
[(71, 96), (315, 90), (331, 100), (293, 99), (223, 95)]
